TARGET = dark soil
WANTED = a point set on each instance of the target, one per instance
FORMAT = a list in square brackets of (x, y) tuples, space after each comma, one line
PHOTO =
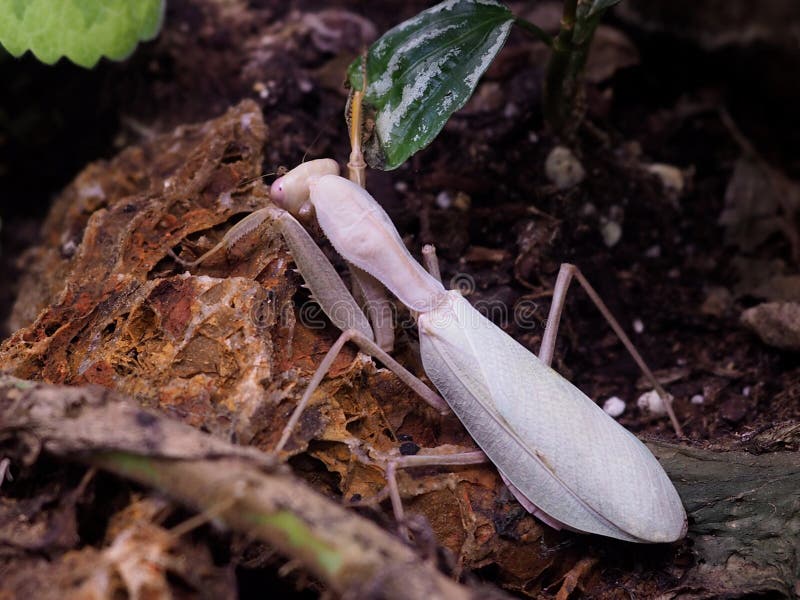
[(479, 191)]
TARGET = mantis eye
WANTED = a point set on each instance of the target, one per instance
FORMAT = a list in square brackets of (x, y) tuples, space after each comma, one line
[(277, 193)]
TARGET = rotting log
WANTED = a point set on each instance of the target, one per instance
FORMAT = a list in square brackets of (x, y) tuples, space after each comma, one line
[(240, 487), (744, 512)]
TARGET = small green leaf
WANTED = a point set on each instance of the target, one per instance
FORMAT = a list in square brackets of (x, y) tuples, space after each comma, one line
[(81, 30), (587, 18), (599, 6), (425, 69)]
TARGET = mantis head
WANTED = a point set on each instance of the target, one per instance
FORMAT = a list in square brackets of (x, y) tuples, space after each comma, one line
[(291, 191)]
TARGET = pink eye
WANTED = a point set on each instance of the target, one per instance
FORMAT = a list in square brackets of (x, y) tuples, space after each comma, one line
[(277, 193)]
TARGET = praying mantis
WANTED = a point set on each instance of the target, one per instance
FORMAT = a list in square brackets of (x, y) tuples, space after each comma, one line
[(561, 456)]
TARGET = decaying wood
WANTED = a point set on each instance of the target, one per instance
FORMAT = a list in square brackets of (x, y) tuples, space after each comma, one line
[(744, 519), (744, 508), (347, 552)]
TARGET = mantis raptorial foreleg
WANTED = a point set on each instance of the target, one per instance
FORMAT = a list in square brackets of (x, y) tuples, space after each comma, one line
[(292, 192), (372, 297)]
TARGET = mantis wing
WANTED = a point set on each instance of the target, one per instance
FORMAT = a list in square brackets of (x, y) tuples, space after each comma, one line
[(555, 446)]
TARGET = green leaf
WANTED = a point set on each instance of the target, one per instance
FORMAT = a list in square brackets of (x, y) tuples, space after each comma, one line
[(425, 69), (81, 30), (587, 18), (599, 6)]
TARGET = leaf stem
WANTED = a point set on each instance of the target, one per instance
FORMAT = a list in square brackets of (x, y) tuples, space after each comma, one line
[(534, 30)]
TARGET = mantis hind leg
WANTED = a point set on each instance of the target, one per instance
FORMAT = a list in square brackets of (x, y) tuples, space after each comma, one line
[(565, 275), (457, 459), (405, 462)]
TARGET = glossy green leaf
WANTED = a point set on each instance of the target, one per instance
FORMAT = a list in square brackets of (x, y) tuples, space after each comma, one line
[(81, 30), (425, 69)]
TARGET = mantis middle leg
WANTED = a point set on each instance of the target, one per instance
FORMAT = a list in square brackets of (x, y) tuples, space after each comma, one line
[(369, 347)]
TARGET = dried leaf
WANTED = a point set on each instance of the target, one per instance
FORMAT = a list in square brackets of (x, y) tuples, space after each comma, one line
[(759, 202)]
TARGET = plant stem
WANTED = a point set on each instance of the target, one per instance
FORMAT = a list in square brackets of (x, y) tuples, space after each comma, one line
[(535, 31), (560, 86), (563, 80), (568, 15)]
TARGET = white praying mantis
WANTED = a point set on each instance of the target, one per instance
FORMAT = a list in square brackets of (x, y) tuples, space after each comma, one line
[(562, 457)]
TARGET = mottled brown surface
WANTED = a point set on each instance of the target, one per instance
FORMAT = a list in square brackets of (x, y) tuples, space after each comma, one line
[(109, 309)]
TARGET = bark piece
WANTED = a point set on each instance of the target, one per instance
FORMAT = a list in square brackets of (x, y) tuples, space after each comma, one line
[(114, 310), (744, 519)]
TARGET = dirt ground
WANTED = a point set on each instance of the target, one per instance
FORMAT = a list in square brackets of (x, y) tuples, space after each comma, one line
[(678, 254)]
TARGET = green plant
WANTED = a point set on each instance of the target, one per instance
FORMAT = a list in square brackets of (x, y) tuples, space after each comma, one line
[(422, 71), (81, 30)]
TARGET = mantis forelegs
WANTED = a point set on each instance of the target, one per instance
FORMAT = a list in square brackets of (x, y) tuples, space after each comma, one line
[(376, 305)]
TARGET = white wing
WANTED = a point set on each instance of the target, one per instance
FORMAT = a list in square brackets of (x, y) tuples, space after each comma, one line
[(555, 445)]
